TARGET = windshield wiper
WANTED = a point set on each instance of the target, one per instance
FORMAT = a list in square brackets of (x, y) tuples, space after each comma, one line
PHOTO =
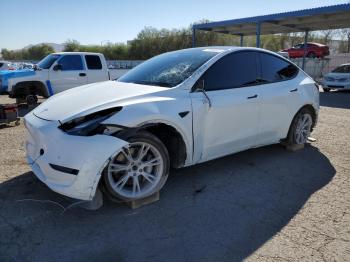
[(144, 82)]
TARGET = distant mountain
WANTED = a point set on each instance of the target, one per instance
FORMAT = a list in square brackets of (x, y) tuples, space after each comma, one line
[(56, 47)]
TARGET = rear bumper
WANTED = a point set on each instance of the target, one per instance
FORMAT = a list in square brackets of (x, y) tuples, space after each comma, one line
[(52, 155)]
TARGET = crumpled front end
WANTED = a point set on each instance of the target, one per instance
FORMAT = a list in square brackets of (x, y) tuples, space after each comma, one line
[(69, 165)]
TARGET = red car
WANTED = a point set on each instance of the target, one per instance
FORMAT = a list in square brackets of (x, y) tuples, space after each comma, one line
[(312, 50)]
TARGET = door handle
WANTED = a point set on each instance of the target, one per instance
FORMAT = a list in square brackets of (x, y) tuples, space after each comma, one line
[(82, 74), (294, 90), (251, 97)]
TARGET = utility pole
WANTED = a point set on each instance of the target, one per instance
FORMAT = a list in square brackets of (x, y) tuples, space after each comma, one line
[(348, 42)]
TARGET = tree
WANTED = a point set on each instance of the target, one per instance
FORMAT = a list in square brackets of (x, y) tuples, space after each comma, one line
[(71, 45)]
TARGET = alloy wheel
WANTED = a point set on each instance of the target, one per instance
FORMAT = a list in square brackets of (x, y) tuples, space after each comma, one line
[(136, 170)]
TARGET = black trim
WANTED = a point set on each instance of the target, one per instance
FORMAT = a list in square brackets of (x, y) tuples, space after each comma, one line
[(64, 169), (183, 114)]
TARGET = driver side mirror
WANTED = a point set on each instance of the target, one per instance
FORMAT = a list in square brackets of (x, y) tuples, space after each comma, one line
[(57, 67)]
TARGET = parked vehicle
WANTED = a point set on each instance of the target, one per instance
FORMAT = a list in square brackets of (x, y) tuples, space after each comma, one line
[(174, 110), (284, 54), (339, 78), (56, 73), (4, 65), (312, 50)]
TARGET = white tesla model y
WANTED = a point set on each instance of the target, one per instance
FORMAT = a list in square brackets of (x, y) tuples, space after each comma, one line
[(174, 110)]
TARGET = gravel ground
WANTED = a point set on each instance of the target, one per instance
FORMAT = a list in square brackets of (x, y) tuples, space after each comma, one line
[(264, 204)]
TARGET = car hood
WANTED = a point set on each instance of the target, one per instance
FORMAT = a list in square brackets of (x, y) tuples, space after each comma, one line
[(91, 98)]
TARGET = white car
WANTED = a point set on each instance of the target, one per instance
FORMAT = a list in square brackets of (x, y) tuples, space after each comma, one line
[(339, 78), (174, 110), (4, 65)]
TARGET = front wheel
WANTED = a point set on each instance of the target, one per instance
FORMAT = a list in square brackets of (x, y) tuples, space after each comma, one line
[(138, 170), (326, 90), (301, 128), (311, 55)]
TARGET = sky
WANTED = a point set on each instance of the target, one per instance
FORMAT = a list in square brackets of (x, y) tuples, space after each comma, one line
[(25, 22)]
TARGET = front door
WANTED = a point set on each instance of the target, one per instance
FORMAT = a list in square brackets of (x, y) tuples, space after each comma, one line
[(71, 73), (230, 122)]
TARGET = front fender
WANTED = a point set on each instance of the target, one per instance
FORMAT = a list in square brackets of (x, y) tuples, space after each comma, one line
[(165, 111)]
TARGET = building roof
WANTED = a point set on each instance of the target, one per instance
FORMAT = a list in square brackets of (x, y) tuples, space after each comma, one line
[(320, 18)]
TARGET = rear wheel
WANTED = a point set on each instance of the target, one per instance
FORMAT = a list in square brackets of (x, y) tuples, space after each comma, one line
[(301, 128), (138, 170)]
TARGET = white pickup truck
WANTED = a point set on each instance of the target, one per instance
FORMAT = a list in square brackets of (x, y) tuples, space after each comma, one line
[(55, 73)]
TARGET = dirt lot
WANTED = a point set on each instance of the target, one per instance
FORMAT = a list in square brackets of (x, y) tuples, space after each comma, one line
[(265, 204)]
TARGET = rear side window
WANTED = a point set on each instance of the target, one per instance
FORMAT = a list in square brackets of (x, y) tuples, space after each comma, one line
[(275, 69), (232, 71), (93, 62), (71, 62)]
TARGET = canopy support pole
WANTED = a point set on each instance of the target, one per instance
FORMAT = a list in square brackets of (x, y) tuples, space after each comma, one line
[(258, 25), (305, 48), (193, 37)]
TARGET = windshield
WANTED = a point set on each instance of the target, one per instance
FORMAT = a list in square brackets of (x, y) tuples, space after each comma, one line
[(169, 69), (342, 69), (47, 62)]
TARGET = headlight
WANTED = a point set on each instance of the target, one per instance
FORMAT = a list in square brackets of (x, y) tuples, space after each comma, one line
[(90, 124)]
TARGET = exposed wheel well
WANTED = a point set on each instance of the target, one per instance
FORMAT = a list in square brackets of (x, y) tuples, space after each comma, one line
[(172, 140), (24, 89)]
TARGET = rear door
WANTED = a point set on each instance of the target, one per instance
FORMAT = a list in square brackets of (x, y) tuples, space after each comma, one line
[(72, 73), (279, 96), (231, 123), (97, 71)]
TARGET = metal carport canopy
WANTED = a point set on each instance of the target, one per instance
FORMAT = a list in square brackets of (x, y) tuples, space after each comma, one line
[(321, 18)]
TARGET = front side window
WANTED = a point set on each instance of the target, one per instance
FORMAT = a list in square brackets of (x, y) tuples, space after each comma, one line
[(71, 62), (342, 69), (93, 62), (169, 69), (232, 71), (275, 69), (47, 62)]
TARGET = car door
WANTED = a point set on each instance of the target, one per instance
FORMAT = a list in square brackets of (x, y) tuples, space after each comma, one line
[(95, 71), (297, 51), (67, 72), (226, 116), (278, 97)]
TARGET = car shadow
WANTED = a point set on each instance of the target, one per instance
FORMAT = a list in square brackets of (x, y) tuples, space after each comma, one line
[(222, 210), (339, 99)]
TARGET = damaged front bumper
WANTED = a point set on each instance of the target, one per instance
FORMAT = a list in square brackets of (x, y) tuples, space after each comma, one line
[(69, 165)]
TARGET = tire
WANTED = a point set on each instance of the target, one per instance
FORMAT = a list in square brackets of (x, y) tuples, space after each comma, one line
[(326, 90), (32, 100), (298, 135), (137, 165)]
